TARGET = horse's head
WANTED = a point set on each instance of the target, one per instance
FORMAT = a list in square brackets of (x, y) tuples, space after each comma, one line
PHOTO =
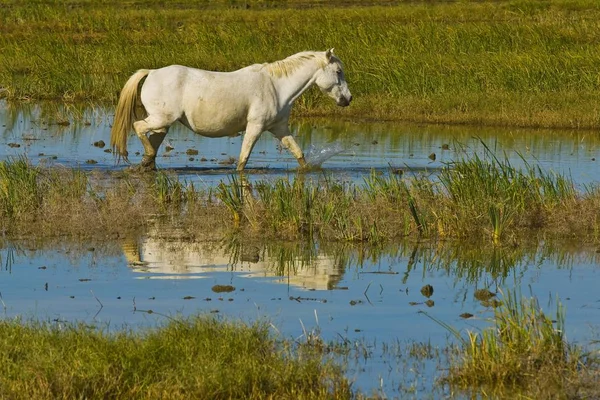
[(331, 80)]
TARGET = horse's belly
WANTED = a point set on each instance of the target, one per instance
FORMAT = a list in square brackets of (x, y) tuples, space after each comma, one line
[(217, 120), (218, 130)]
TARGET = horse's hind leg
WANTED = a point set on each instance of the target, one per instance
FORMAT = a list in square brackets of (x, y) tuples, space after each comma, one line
[(158, 129), (156, 138)]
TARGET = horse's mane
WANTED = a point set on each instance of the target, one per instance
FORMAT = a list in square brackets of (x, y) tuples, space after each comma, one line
[(290, 64)]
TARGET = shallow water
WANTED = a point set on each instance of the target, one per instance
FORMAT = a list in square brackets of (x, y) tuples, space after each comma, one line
[(356, 148), (365, 295)]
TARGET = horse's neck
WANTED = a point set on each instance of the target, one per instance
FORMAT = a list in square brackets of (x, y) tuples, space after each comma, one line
[(290, 87)]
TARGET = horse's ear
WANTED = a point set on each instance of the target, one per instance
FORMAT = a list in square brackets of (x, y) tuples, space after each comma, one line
[(329, 53)]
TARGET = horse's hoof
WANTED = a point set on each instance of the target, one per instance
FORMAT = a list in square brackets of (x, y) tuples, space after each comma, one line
[(148, 164), (141, 168)]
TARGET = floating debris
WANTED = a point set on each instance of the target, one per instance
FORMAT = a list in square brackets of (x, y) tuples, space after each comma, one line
[(100, 144), (228, 161), (191, 152), (300, 299), (380, 272), (483, 294), (223, 288), (427, 290), (493, 303)]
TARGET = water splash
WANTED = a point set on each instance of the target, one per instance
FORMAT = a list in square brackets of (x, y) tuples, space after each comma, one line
[(316, 156)]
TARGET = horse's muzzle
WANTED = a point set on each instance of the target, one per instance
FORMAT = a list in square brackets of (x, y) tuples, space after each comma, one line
[(344, 101)]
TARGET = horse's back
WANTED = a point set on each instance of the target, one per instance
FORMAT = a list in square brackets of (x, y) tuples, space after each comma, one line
[(211, 103)]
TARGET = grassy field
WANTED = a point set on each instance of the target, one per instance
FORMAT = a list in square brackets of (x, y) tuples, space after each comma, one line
[(514, 63)]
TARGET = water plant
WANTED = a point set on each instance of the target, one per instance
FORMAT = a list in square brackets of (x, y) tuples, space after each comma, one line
[(524, 352), (232, 196), (19, 190)]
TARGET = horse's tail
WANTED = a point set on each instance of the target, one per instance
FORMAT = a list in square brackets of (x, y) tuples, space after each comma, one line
[(125, 114)]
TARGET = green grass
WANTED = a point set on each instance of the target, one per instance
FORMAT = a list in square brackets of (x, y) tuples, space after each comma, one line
[(518, 63), (198, 357)]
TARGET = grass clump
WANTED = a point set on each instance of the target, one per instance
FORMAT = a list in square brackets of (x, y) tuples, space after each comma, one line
[(524, 352), (194, 358), (494, 194)]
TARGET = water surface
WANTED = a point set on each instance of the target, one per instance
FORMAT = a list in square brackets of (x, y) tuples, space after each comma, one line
[(365, 147)]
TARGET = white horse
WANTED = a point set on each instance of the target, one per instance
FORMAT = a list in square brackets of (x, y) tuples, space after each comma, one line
[(256, 98)]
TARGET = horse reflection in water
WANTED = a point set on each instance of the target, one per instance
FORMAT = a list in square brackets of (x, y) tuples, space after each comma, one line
[(253, 99), (174, 257)]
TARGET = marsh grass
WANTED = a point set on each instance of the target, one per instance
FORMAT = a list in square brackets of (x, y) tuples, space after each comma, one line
[(489, 188), (198, 357), (477, 197), (497, 63), (525, 352)]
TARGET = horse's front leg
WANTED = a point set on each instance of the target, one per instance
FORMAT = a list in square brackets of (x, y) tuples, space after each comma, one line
[(282, 132), (252, 134)]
